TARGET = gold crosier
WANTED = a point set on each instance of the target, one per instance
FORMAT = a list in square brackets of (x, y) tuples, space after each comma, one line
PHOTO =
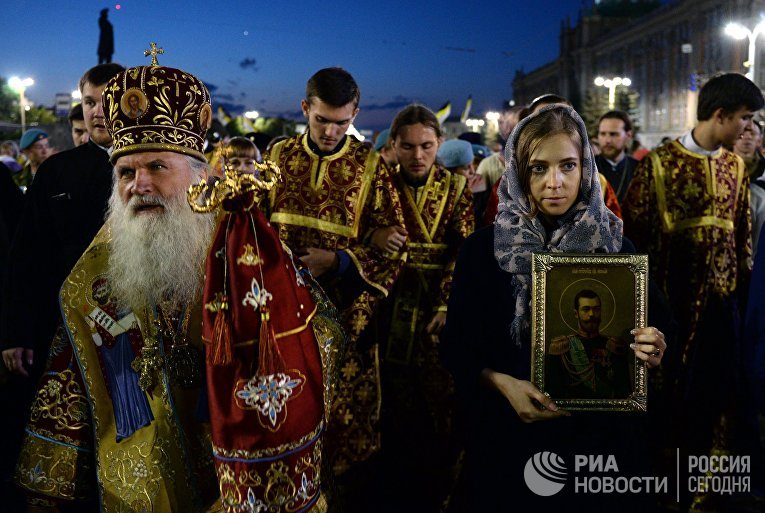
[(204, 199)]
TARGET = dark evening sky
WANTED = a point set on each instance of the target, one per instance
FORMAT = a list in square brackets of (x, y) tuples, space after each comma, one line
[(258, 55)]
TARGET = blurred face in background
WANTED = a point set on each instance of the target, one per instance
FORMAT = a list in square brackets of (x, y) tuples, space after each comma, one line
[(79, 132), (613, 139), (507, 122), (749, 142), (38, 152)]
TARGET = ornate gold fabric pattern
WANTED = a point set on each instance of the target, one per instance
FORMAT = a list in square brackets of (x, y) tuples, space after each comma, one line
[(173, 111), (52, 469), (439, 217), (332, 345), (327, 194), (278, 492), (433, 245), (154, 469), (61, 400), (330, 203), (689, 212), (135, 473), (268, 451)]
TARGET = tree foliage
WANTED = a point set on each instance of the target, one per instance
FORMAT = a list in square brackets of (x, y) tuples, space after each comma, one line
[(10, 112), (596, 104), (275, 126)]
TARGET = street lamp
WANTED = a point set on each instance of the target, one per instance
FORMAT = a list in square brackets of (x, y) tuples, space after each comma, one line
[(474, 124), (611, 84), (76, 95), (738, 31), (493, 119), (20, 85)]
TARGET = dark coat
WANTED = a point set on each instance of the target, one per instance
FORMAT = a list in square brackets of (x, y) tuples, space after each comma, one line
[(11, 204), (620, 176), (65, 208), (477, 336)]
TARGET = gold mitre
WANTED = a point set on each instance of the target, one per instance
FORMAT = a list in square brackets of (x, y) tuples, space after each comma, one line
[(155, 108)]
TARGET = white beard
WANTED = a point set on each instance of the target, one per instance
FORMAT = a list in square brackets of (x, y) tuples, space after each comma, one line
[(157, 256)]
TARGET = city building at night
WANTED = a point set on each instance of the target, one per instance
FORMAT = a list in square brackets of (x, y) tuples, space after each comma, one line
[(666, 50)]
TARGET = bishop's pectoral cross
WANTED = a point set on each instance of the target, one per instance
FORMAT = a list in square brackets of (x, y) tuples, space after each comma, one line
[(148, 363), (154, 52)]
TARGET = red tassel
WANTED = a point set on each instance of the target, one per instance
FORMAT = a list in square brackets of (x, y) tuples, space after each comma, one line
[(270, 360), (223, 353)]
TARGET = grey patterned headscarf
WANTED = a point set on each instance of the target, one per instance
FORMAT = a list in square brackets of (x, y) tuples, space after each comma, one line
[(589, 225)]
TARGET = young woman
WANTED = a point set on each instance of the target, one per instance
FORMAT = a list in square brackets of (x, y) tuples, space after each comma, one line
[(550, 200)]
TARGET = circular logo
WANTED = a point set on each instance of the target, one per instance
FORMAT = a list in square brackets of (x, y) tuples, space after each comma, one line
[(545, 473)]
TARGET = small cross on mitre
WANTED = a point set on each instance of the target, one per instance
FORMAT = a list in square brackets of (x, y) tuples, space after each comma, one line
[(154, 51)]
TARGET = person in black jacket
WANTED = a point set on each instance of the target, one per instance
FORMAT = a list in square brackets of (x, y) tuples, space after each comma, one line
[(65, 208), (11, 204)]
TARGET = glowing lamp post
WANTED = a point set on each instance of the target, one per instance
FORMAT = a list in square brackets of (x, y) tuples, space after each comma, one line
[(738, 31), (474, 124), (611, 84), (493, 119), (20, 85)]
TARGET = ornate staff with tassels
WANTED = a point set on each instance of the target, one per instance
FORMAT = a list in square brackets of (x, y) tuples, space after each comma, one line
[(271, 340)]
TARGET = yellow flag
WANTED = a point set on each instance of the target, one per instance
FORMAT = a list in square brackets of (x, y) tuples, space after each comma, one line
[(444, 112), (466, 112)]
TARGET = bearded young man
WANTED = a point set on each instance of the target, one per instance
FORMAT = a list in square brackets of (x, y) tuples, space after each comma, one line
[(588, 363), (614, 135), (419, 456), (124, 372)]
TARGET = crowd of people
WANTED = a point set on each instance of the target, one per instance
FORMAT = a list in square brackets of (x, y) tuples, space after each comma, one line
[(354, 332)]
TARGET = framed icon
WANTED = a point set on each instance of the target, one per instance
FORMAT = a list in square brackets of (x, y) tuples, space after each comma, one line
[(583, 309), (134, 103)]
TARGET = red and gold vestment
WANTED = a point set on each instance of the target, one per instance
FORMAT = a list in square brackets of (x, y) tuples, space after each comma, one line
[(335, 202), (690, 213)]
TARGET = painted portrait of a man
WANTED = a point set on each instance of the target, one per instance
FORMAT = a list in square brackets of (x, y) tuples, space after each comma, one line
[(588, 364)]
